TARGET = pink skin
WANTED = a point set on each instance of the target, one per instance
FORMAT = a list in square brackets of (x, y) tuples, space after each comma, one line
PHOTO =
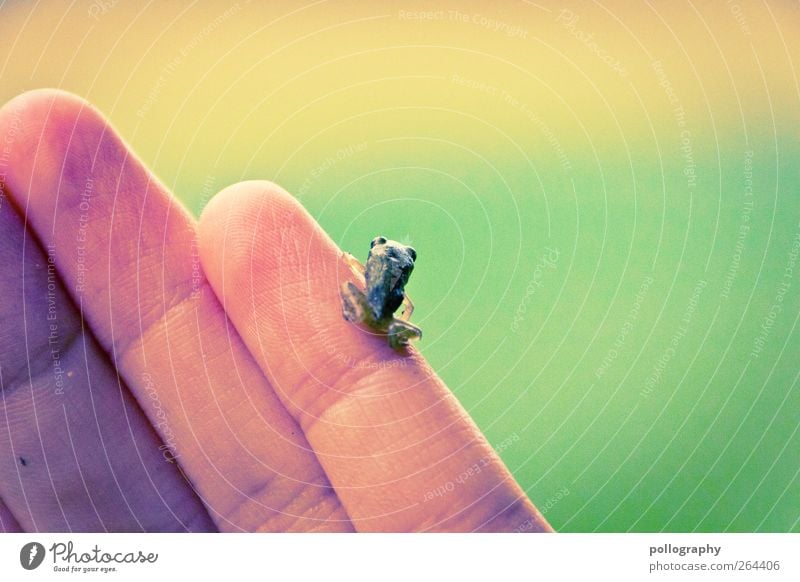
[(182, 403)]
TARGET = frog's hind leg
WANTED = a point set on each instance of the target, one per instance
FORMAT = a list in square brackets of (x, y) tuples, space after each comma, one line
[(355, 307), (401, 332), (355, 265)]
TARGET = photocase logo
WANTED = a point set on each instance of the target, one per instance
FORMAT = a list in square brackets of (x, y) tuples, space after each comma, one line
[(31, 555)]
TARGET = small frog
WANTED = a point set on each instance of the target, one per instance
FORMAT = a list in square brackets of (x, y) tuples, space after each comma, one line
[(389, 265)]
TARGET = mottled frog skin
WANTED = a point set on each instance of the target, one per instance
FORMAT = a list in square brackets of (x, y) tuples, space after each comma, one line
[(386, 273)]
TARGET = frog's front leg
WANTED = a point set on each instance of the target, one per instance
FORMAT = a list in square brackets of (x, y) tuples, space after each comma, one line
[(401, 332), (408, 308)]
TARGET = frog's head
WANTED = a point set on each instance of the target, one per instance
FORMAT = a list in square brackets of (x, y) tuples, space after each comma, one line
[(388, 268)]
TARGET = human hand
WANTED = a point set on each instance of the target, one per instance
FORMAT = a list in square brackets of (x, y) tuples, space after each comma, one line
[(160, 375)]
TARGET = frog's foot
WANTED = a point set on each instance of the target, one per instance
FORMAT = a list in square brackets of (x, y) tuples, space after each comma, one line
[(355, 307), (401, 332)]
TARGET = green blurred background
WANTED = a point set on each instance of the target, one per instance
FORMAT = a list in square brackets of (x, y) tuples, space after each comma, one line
[(605, 201)]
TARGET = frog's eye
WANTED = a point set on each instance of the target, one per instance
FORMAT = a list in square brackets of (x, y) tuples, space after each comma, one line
[(378, 240), (413, 253)]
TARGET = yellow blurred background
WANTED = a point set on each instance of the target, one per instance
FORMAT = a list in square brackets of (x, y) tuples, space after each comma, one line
[(615, 138)]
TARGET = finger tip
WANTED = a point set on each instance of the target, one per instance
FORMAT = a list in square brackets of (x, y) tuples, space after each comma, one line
[(255, 216), (50, 137), (42, 99), (238, 202), (35, 117), (239, 198)]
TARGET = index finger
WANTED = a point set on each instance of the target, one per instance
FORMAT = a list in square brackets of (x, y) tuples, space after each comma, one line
[(400, 451)]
